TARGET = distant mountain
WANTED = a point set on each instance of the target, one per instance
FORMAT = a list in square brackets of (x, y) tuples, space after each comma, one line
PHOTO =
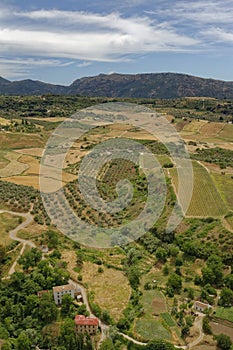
[(153, 85), (29, 87)]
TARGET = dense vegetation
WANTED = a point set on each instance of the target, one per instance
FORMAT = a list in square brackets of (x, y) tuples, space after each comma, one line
[(30, 107), (217, 155)]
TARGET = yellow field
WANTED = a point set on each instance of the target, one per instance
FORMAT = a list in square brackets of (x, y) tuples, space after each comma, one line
[(227, 132), (10, 140), (211, 129), (4, 121), (206, 200), (111, 288), (51, 119), (14, 167), (24, 180), (36, 152), (29, 168), (194, 126)]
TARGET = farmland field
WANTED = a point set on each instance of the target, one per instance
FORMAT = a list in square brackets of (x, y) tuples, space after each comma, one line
[(211, 129), (14, 166), (206, 201), (111, 288), (150, 329), (220, 328), (227, 132), (224, 184), (194, 126), (36, 152), (18, 141), (225, 313), (151, 325)]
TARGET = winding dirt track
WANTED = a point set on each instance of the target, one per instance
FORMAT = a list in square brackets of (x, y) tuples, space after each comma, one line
[(13, 235)]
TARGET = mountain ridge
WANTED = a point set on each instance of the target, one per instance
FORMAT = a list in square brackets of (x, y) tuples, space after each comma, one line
[(116, 85)]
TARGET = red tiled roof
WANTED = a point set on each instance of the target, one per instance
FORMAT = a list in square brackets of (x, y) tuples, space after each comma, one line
[(81, 320), (41, 292)]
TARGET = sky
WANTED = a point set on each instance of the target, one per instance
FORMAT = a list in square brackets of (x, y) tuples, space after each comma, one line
[(58, 42)]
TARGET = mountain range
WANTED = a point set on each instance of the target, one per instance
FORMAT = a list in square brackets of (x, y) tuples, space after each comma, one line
[(151, 85)]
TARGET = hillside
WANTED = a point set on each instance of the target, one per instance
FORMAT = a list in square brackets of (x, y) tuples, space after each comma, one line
[(154, 85)]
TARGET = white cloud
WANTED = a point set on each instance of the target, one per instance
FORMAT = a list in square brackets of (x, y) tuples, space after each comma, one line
[(89, 36), (84, 64), (205, 12), (220, 35), (21, 67)]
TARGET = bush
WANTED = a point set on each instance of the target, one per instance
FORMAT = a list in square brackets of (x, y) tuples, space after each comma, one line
[(224, 341)]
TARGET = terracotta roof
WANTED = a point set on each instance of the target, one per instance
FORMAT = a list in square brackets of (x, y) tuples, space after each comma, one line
[(41, 292), (81, 320), (63, 288)]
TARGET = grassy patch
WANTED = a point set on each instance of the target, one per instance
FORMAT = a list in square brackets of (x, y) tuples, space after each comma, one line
[(224, 184), (14, 166), (152, 325), (7, 223), (167, 318), (225, 313), (17, 141), (151, 329), (227, 132), (111, 288)]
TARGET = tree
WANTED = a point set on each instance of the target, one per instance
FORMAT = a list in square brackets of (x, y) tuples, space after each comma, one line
[(173, 250), (224, 341), (123, 324), (47, 311), (229, 281), (30, 258), (6, 346), (226, 297), (175, 282), (53, 239), (161, 254), (190, 293), (2, 253), (166, 270), (107, 345), (106, 316), (134, 277), (159, 345), (213, 273), (185, 331), (23, 342), (206, 326), (67, 305)]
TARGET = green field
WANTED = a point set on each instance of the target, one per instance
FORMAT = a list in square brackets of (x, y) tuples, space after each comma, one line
[(167, 318), (151, 329), (226, 313), (224, 184), (206, 200), (151, 325)]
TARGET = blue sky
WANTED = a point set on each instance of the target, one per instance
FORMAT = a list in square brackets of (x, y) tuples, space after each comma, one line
[(58, 42)]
